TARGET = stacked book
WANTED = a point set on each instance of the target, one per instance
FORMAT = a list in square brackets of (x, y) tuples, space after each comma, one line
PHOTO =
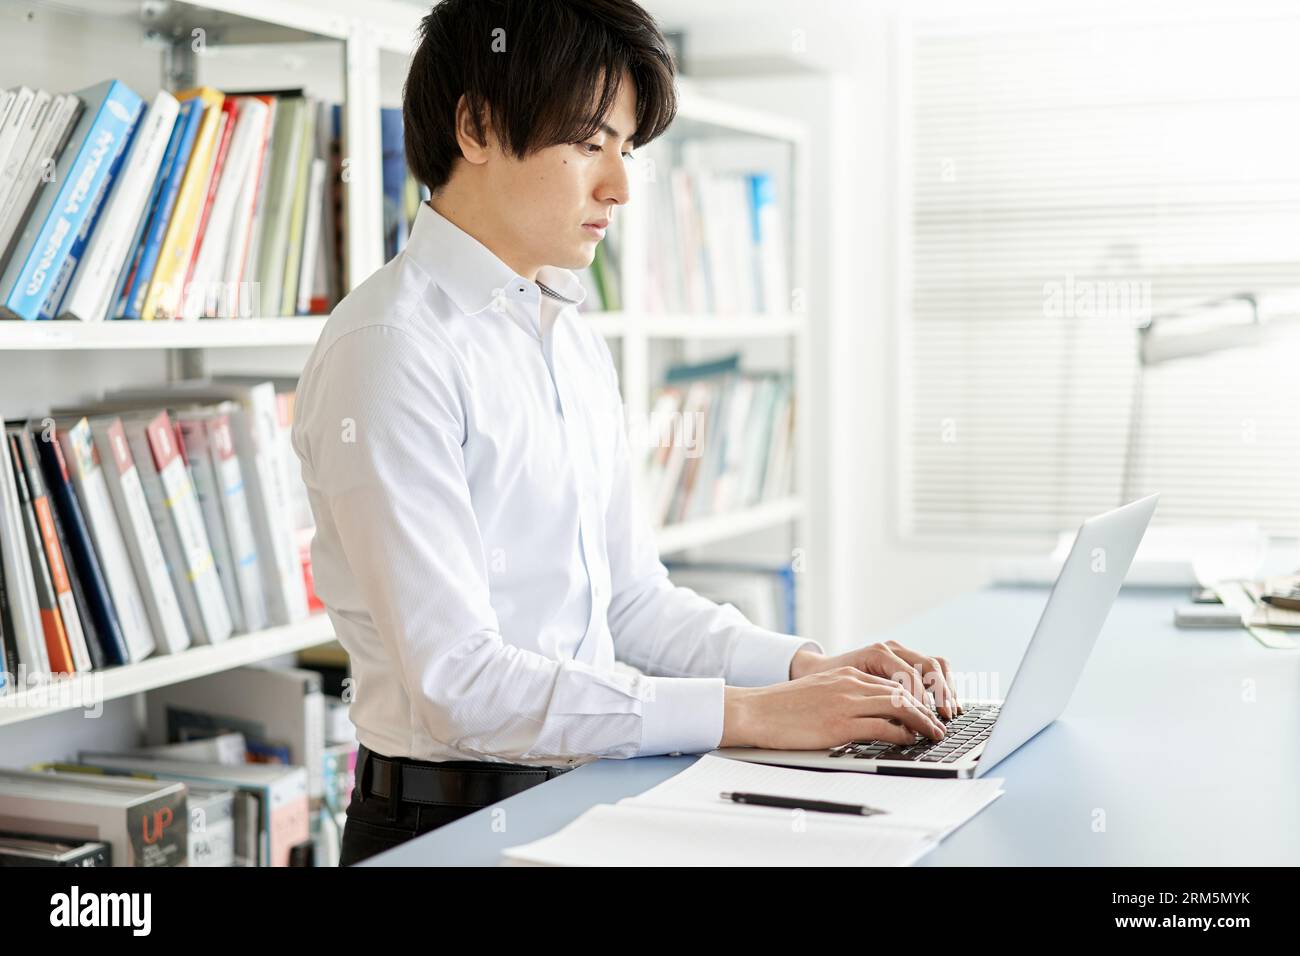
[(266, 776), (715, 245), (151, 521), (201, 204), (719, 440)]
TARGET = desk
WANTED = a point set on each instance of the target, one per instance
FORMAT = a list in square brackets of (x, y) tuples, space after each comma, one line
[(1178, 748)]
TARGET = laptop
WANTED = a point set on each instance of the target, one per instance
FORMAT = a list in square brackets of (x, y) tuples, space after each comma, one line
[(989, 731)]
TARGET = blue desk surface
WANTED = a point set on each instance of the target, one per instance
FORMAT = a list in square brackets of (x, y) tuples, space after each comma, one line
[(1179, 748)]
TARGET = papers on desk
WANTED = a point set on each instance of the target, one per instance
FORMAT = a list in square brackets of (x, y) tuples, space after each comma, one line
[(683, 822)]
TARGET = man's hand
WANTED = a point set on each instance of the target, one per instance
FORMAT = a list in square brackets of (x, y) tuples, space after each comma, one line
[(916, 672), (825, 709)]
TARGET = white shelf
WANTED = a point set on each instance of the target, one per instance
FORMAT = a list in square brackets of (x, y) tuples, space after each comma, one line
[(701, 325), (690, 534), (16, 335), (85, 691), (58, 335)]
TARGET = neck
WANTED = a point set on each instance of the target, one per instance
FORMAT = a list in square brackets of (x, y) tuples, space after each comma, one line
[(460, 213)]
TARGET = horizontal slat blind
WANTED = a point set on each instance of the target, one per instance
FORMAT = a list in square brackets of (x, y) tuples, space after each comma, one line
[(1067, 181)]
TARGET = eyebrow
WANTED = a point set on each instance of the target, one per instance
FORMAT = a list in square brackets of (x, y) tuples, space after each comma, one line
[(606, 128)]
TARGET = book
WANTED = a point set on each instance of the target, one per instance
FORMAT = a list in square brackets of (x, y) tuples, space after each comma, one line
[(273, 237), (305, 136), (21, 131), (241, 256), (271, 705), (43, 245), (143, 821), (143, 545), (52, 593), (86, 567), (255, 423), (38, 169), (213, 289), (232, 507), (192, 300), (87, 471), (280, 794), (197, 456), (176, 516), (163, 299), (35, 849), (134, 282), (26, 635), (89, 296)]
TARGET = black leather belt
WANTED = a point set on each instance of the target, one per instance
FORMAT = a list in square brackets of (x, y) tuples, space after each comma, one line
[(463, 783)]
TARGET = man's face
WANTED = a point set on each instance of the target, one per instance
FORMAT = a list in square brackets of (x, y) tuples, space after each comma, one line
[(549, 206)]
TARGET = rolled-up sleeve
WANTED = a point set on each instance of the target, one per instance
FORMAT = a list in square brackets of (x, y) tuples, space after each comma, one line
[(382, 451), (664, 629)]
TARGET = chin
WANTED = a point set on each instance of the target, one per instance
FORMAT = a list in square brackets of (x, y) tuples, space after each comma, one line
[(578, 258)]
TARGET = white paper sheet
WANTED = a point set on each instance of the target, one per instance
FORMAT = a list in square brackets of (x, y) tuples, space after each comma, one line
[(684, 822)]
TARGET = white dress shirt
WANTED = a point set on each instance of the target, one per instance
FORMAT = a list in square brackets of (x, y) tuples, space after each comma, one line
[(479, 546)]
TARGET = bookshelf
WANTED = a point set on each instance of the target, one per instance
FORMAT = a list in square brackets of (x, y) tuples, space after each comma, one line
[(366, 53)]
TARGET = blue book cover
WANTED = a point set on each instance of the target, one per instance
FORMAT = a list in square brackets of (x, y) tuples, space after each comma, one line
[(55, 299), (58, 216), (118, 308), (188, 125)]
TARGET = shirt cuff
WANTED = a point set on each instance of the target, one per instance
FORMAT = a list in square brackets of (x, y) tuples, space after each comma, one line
[(683, 716), (763, 657)]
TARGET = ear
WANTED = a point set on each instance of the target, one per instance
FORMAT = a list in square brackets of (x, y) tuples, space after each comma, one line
[(474, 150)]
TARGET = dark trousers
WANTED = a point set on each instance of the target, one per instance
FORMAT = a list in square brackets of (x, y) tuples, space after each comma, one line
[(375, 824)]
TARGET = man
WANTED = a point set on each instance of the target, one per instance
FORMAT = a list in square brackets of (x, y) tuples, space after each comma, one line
[(478, 544)]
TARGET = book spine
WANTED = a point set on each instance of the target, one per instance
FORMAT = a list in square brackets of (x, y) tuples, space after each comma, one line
[(35, 267), (239, 522), (76, 253), (84, 559), (58, 650), (92, 287), (162, 301), (143, 544), (193, 439), (142, 280), (88, 479), (192, 300), (181, 503)]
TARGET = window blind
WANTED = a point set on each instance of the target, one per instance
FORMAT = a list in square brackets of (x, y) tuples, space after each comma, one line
[(1067, 181)]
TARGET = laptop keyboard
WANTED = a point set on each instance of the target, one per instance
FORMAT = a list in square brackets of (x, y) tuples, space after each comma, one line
[(964, 733)]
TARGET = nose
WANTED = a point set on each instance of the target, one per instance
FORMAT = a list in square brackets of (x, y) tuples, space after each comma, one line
[(615, 185)]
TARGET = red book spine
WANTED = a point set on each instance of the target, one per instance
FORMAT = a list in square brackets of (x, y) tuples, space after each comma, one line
[(228, 107)]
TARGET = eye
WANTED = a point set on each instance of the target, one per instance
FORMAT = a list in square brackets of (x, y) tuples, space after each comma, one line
[(591, 148)]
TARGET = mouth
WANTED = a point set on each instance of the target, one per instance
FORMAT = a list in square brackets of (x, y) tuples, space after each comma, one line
[(596, 228)]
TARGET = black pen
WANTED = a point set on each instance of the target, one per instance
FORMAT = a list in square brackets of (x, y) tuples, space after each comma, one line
[(795, 803)]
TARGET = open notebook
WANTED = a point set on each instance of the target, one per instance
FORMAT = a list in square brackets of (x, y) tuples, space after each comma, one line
[(683, 822)]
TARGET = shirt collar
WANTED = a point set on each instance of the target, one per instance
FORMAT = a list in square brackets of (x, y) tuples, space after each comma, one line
[(474, 278)]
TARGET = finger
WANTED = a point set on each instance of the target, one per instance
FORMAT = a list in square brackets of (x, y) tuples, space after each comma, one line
[(910, 713), (876, 728), (897, 689), (932, 677), (952, 684), (894, 666)]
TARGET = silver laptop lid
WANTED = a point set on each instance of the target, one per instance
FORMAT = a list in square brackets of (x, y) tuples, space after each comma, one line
[(1076, 609)]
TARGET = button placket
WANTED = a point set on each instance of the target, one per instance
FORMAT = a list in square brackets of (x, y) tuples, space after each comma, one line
[(580, 460)]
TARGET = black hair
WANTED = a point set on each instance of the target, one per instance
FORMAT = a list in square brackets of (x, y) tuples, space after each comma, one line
[(532, 70)]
